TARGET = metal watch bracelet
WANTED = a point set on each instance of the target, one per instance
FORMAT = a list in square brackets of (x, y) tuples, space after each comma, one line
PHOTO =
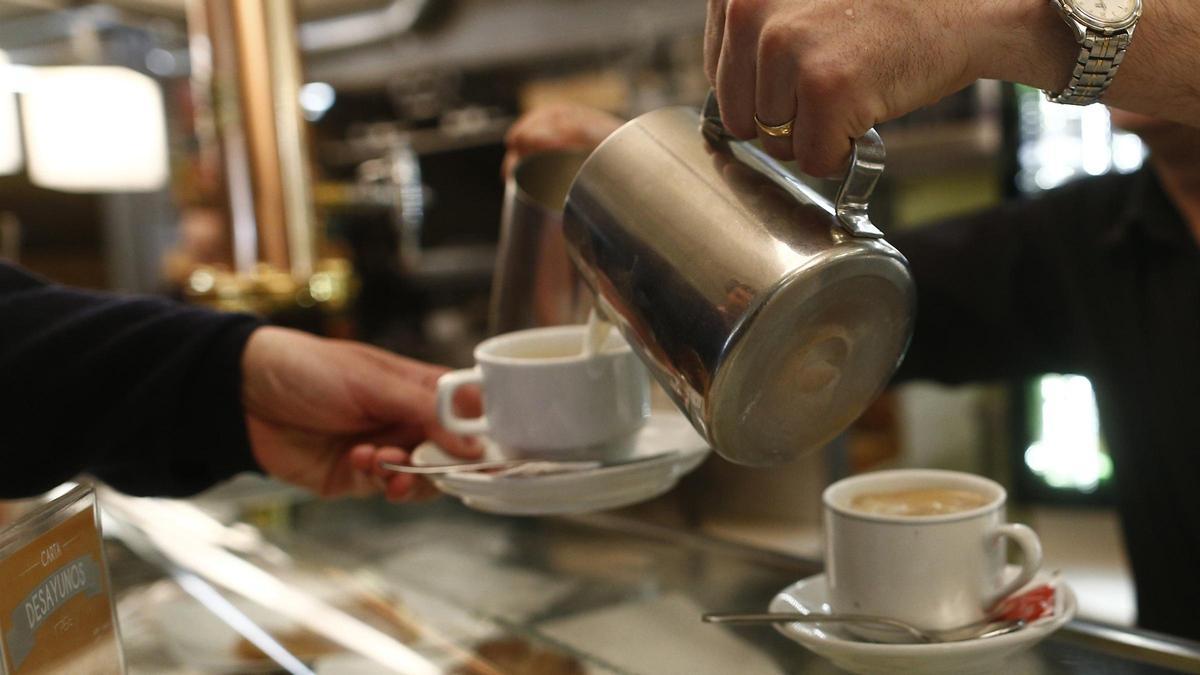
[(1099, 59)]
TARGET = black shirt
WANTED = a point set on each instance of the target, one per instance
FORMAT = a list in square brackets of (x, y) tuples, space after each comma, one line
[(1100, 278), (141, 392)]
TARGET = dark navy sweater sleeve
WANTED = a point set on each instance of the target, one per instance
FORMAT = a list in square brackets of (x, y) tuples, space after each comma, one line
[(140, 392)]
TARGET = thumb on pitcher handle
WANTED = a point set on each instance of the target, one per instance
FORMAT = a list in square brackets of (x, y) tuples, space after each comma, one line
[(447, 385), (1031, 558)]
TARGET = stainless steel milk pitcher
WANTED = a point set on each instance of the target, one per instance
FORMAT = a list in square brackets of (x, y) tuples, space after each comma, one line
[(770, 315)]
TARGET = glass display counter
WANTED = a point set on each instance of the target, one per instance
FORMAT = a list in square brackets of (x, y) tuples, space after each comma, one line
[(472, 593)]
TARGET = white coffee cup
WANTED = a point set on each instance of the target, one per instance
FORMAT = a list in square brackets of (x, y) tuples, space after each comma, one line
[(544, 398), (935, 571)]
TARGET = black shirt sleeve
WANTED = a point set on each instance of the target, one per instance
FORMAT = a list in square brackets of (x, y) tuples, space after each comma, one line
[(997, 291), (140, 392)]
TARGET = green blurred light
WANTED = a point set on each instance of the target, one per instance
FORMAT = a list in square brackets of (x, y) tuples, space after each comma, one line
[(1069, 453)]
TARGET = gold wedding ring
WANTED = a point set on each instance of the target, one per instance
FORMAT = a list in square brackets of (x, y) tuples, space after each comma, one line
[(775, 130)]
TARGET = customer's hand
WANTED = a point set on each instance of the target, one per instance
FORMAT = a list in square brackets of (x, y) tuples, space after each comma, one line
[(559, 126), (322, 414), (839, 67)]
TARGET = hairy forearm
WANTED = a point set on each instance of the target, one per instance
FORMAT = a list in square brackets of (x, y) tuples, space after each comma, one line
[(1161, 72), (1160, 75)]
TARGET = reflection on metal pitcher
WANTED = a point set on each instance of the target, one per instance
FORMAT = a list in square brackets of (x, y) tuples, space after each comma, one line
[(771, 316)]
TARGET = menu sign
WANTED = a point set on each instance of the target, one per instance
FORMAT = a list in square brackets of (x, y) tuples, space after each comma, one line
[(56, 613)]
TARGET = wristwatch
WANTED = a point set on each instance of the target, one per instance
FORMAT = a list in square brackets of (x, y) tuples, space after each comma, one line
[(1103, 29)]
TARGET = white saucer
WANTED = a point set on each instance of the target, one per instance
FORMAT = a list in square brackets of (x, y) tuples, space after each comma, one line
[(582, 491), (968, 657)]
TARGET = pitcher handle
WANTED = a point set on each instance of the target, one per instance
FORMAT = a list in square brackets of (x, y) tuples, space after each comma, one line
[(853, 199)]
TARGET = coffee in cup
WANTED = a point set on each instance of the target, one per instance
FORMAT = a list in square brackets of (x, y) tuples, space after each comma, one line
[(923, 546), (543, 397), (918, 502)]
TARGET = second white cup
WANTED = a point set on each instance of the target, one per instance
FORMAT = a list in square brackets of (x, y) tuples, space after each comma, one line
[(933, 571), (544, 398)]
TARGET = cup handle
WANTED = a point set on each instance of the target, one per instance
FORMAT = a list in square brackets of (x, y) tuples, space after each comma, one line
[(1031, 558), (446, 386)]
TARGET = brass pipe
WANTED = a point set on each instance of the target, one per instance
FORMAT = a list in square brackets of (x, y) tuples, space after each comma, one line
[(246, 71), (223, 170), (294, 161), (246, 86), (258, 105)]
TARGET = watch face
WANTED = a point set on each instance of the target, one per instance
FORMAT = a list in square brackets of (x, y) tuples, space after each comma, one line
[(1107, 11)]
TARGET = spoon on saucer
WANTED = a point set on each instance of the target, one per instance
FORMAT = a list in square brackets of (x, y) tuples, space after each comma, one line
[(524, 466), (984, 628)]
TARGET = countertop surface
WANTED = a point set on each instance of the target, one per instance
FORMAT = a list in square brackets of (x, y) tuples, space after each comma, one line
[(468, 592)]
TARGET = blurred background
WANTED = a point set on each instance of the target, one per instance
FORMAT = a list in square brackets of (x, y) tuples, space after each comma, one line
[(335, 165)]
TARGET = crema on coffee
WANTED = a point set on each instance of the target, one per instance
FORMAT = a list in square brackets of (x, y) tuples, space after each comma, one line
[(919, 502)]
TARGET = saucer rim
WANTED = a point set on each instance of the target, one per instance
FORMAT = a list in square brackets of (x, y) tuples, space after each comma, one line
[(534, 489), (510, 508), (806, 635), (679, 457), (695, 450), (559, 494)]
